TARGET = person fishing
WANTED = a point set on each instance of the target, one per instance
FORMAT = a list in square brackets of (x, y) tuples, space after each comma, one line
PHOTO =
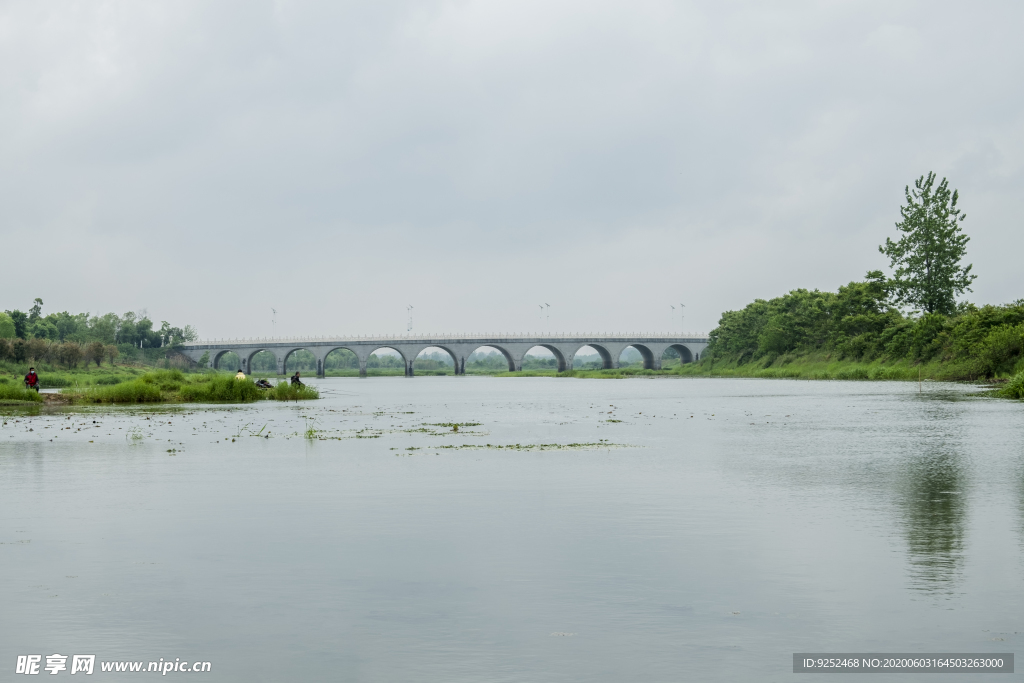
[(296, 380), (32, 380), (240, 375)]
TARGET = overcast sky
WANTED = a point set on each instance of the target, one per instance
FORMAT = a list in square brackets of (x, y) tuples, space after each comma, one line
[(209, 161)]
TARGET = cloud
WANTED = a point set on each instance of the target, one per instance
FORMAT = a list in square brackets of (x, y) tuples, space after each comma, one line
[(339, 161)]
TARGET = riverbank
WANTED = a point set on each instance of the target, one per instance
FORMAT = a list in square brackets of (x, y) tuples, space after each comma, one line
[(54, 377)]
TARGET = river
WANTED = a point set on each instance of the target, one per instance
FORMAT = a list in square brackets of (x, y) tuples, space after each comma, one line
[(642, 530)]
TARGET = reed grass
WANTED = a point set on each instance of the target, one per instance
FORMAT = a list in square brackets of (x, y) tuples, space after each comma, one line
[(1014, 388), (284, 391), (171, 386), (9, 392), (220, 389), (134, 391)]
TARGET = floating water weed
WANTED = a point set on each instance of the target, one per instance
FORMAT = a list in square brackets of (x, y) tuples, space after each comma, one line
[(537, 446)]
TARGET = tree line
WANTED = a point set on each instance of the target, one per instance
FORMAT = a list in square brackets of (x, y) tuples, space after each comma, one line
[(131, 329), (913, 315), (69, 353)]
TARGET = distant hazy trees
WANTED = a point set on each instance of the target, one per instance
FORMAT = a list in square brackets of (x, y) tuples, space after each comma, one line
[(133, 329)]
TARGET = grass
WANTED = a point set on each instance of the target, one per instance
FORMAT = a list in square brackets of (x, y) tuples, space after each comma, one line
[(1014, 388), (54, 377), (14, 393), (284, 391), (173, 386), (823, 366)]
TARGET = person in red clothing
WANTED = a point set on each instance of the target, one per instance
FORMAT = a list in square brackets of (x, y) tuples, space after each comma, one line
[(32, 380)]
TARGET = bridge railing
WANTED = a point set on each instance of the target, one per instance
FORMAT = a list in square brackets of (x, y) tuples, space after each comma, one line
[(605, 336)]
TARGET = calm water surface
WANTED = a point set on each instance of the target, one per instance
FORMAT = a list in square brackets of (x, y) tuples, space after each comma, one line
[(697, 530)]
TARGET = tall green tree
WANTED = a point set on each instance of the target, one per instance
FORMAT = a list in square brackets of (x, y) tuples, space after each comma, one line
[(36, 311), (6, 327), (20, 322), (926, 259)]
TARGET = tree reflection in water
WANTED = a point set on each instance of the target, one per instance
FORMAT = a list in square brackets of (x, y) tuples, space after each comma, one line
[(935, 507)]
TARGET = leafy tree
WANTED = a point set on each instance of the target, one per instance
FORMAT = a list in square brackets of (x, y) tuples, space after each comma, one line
[(6, 327), (112, 353), (18, 350), (36, 348), (927, 257), (95, 352), (70, 354), (36, 311), (43, 328), (20, 321)]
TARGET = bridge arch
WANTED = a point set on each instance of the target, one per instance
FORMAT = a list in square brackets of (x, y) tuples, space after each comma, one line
[(684, 353), (317, 360), (602, 352), (221, 356), (256, 352), (404, 355), (560, 362), (503, 351), (438, 347), (646, 355), (360, 362)]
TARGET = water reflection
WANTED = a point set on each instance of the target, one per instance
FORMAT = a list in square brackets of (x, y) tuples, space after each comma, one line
[(934, 514)]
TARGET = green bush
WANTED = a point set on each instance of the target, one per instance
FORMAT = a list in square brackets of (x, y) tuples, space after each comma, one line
[(109, 380)]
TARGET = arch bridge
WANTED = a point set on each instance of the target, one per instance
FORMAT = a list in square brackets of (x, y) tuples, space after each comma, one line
[(460, 347)]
